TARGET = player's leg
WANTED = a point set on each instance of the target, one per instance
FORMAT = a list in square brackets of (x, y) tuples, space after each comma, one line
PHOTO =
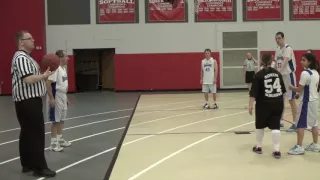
[(301, 124), (213, 90), (55, 119), (313, 124), (292, 101), (274, 125), (62, 100), (260, 123), (205, 90)]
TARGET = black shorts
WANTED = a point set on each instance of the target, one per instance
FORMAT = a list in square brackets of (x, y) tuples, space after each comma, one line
[(249, 76), (268, 114)]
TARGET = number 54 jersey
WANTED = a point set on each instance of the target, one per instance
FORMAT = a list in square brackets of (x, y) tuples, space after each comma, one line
[(268, 86)]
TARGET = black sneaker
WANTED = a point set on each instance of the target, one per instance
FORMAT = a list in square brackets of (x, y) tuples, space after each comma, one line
[(276, 154), (206, 106), (257, 150), (44, 173), (215, 106), (26, 170)]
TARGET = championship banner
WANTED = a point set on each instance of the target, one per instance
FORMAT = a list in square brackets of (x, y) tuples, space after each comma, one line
[(215, 10), (161, 11), (304, 9), (262, 10), (117, 11)]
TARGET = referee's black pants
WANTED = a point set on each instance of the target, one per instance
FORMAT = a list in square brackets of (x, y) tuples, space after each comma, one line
[(32, 137)]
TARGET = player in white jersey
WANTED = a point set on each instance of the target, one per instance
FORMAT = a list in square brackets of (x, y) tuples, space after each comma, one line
[(208, 78), (309, 101), (249, 69), (286, 65), (57, 85)]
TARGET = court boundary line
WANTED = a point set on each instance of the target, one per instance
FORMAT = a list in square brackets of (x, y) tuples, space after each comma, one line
[(117, 150), (140, 139), (109, 112), (145, 170), (183, 149), (122, 117), (137, 124)]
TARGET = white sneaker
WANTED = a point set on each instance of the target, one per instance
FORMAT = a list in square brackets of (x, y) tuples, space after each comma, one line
[(313, 147), (296, 150), (55, 146), (64, 143)]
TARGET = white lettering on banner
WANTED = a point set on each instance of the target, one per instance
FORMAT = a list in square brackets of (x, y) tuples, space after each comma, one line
[(219, 1), (116, 2), (156, 1)]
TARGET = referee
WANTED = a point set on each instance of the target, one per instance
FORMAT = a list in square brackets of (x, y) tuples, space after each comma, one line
[(28, 88)]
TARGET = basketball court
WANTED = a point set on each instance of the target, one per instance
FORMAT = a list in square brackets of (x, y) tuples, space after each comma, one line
[(182, 141), (127, 136)]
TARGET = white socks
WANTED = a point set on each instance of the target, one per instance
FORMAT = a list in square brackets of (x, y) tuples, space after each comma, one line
[(56, 139), (276, 134), (259, 136)]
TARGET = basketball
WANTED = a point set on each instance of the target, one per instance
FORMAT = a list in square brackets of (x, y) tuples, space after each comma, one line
[(50, 60)]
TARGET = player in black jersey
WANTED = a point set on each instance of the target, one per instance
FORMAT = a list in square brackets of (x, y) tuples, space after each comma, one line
[(267, 90)]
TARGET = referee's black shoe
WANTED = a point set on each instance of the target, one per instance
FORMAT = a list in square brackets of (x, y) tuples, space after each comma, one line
[(45, 173)]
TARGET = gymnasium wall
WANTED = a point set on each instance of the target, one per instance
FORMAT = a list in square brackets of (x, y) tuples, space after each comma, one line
[(17, 15), (165, 48)]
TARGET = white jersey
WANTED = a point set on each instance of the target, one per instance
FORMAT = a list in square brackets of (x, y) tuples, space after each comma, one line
[(60, 80), (250, 65), (286, 51), (310, 80), (207, 67)]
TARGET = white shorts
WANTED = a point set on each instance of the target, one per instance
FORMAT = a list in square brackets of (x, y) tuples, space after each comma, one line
[(59, 112), (209, 87), (289, 79), (307, 115)]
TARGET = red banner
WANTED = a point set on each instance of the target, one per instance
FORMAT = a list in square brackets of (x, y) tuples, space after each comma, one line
[(263, 10), (117, 11), (215, 10), (305, 10), (160, 11)]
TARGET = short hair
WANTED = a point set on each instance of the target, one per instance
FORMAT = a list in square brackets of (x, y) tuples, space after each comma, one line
[(60, 53), (280, 33), (19, 35), (207, 50), (310, 50), (267, 59)]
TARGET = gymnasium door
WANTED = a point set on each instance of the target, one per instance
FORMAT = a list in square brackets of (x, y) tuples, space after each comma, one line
[(94, 69), (235, 46)]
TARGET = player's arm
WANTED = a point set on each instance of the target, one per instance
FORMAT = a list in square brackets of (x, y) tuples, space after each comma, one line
[(286, 58), (304, 78), (253, 92), (201, 74), (215, 71), (283, 87), (244, 68), (51, 79)]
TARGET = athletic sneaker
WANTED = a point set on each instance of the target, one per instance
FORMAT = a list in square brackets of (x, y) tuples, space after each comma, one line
[(313, 147), (276, 154), (64, 143), (292, 128), (296, 150), (257, 150), (215, 106), (55, 146), (206, 106)]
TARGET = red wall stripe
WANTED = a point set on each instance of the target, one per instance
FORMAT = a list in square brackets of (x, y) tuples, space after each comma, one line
[(165, 71)]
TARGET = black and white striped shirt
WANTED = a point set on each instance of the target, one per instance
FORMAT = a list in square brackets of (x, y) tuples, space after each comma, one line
[(22, 66)]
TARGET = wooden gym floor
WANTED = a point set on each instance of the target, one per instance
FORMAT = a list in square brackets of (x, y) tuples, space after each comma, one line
[(181, 141)]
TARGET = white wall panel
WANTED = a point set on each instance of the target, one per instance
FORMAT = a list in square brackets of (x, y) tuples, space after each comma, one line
[(177, 37)]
